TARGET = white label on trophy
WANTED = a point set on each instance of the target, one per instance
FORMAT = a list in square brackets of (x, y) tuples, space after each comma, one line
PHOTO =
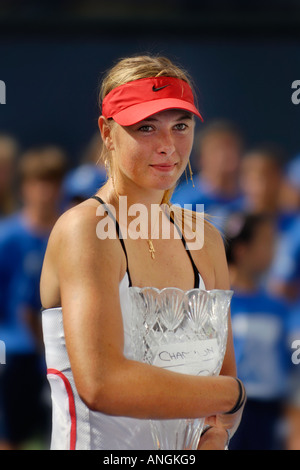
[(190, 357)]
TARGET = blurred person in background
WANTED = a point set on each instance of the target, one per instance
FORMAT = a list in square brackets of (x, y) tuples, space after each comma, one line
[(293, 399), (23, 239), (81, 183), (218, 151), (84, 181), (9, 150), (290, 194), (271, 185), (285, 282), (261, 180), (285, 274), (259, 323), (285, 278)]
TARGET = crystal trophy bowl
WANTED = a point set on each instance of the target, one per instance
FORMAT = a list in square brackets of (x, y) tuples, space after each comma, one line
[(184, 332)]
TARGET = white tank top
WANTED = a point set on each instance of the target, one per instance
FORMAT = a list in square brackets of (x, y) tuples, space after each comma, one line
[(74, 425)]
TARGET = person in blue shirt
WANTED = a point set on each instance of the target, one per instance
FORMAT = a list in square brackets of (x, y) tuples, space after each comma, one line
[(293, 401), (285, 273), (290, 194), (218, 151), (23, 239), (259, 330), (262, 179)]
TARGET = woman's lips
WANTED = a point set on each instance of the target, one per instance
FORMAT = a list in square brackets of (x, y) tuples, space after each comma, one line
[(164, 166)]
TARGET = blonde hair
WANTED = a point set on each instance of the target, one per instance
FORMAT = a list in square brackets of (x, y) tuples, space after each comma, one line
[(135, 68)]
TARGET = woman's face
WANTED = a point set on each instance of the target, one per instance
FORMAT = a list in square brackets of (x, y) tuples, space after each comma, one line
[(153, 153)]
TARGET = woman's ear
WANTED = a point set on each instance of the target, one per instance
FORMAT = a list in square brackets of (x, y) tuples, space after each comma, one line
[(106, 132)]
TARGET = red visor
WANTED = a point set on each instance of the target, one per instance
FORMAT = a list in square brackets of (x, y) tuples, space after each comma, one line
[(131, 103)]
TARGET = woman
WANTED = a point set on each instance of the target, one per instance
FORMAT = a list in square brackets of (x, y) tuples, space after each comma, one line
[(147, 127)]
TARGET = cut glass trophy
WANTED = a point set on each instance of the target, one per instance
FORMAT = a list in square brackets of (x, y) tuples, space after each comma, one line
[(184, 332)]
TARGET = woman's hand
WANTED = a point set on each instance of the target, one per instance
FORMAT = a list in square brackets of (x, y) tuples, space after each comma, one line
[(215, 438), (230, 422), (223, 427)]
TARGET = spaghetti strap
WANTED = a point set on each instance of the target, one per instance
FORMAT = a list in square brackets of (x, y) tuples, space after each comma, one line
[(118, 230), (195, 269)]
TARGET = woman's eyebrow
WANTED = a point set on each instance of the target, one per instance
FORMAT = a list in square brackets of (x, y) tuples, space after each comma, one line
[(182, 116)]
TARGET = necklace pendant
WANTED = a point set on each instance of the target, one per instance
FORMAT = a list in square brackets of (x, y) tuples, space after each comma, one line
[(151, 249)]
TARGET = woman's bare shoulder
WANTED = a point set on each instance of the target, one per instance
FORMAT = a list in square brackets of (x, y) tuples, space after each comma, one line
[(213, 235), (199, 229), (77, 231), (74, 222), (77, 259)]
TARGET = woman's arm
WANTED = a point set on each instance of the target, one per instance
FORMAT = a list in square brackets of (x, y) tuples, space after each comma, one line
[(89, 272)]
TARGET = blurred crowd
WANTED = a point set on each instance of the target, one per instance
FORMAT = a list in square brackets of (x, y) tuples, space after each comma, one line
[(251, 194), (36, 186)]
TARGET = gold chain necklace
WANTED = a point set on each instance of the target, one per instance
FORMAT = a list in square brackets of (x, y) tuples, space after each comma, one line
[(151, 248)]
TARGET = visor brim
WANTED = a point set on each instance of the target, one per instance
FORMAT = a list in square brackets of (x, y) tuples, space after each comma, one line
[(139, 112)]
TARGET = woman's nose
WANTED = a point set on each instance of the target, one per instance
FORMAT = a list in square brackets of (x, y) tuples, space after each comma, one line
[(165, 144)]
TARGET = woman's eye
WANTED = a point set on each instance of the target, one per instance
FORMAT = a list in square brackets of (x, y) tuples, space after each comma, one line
[(145, 128), (181, 126)]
